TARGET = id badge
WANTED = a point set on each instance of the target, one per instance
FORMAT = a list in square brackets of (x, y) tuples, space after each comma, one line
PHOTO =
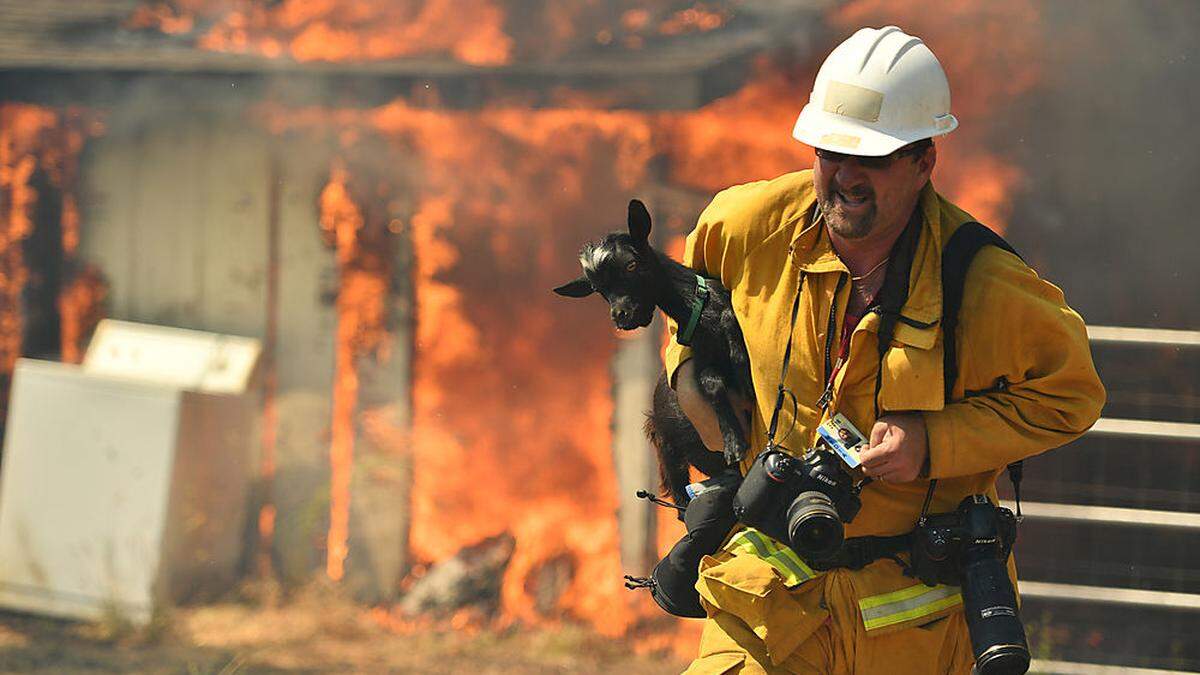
[(841, 436)]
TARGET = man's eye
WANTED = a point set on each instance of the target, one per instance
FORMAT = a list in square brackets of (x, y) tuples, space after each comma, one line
[(631, 266)]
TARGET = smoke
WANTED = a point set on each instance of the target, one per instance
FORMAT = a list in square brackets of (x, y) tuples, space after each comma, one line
[(1110, 145)]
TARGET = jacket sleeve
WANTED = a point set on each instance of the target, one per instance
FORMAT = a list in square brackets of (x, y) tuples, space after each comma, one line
[(1018, 327), (715, 249)]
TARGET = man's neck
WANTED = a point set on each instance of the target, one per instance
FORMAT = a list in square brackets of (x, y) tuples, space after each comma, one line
[(863, 255)]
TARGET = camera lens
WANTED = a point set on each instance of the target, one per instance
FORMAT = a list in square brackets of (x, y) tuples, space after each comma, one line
[(814, 528), (1003, 660), (989, 600)]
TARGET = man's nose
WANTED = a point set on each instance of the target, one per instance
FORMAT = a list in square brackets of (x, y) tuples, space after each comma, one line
[(849, 173)]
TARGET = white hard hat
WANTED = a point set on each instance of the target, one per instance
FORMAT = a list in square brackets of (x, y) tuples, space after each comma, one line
[(879, 90)]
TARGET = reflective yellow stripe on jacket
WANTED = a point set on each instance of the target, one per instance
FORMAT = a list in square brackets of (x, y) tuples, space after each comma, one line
[(782, 558), (878, 611), (907, 603)]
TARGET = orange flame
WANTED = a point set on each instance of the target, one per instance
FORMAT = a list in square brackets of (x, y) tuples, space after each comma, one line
[(700, 18), (35, 139), (742, 137), (487, 457), (22, 130), (477, 32), (80, 306), (337, 30), (80, 301), (341, 218), (499, 440), (360, 330), (499, 443), (160, 16)]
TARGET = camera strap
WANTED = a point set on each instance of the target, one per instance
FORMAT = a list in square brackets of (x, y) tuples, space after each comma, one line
[(887, 304), (787, 355), (894, 293), (783, 392), (957, 255)]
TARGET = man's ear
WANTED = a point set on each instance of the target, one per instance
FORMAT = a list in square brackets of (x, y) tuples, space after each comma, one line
[(579, 288), (639, 222), (926, 162)]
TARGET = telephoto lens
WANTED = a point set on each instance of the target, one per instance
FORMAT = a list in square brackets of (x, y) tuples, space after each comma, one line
[(989, 601)]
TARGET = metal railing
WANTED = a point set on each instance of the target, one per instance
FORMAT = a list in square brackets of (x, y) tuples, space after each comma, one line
[(1167, 431), (1066, 668), (1144, 336), (1177, 521), (1111, 515), (1112, 595)]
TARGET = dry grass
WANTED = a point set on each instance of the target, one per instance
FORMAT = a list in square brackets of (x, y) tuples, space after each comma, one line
[(316, 632)]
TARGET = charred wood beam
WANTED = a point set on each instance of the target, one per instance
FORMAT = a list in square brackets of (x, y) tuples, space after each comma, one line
[(381, 487), (471, 577), (635, 368), (466, 91), (686, 74)]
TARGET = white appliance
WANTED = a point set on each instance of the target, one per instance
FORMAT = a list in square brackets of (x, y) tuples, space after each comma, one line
[(125, 481)]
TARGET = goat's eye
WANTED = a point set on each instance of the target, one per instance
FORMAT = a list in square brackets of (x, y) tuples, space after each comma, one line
[(631, 266)]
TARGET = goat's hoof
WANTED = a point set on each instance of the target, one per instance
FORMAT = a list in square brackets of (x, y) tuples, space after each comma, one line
[(734, 456)]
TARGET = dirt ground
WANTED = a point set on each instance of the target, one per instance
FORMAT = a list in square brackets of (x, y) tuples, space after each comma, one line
[(314, 634)]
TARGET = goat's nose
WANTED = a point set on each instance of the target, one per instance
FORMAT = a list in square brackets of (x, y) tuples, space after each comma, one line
[(619, 314)]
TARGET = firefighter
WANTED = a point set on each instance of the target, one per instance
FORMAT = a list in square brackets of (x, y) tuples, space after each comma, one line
[(1025, 380)]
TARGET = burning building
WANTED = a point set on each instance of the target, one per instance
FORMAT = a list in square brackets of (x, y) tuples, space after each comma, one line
[(385, 192)]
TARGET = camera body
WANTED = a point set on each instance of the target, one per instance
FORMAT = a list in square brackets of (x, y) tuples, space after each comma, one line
[(969, 548), (941, 542), (801, 502)]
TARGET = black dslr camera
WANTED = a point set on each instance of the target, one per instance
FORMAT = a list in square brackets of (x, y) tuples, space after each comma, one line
[(969, 548), (799, 501)]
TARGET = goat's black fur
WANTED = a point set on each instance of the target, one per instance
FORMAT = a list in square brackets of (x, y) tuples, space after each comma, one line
[(634, 279)]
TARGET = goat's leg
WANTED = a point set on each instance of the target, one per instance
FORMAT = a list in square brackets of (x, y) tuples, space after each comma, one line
[(677, 444), (716, 391), (672, 461)]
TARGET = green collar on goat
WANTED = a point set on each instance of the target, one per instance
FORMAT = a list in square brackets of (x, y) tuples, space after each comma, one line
[(685, 336)]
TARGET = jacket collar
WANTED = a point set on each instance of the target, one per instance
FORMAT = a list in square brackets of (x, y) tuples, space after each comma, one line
[(814, 254)]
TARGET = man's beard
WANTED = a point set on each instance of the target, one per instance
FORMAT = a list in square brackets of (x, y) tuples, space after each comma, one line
[(843, 225)]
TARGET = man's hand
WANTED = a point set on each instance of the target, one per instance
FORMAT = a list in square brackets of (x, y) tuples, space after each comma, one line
[(701, 414), (898, 448)]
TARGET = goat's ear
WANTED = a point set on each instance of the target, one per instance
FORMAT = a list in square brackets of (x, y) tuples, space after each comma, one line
[(579, 288), (639, 222)]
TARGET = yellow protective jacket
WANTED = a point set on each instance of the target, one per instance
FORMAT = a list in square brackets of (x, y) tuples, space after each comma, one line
[(757, 238)]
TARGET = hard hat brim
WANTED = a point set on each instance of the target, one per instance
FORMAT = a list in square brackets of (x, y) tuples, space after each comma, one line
[(837, 133)]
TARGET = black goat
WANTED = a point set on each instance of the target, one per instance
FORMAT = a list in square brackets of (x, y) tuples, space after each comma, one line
[(634, 279)]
